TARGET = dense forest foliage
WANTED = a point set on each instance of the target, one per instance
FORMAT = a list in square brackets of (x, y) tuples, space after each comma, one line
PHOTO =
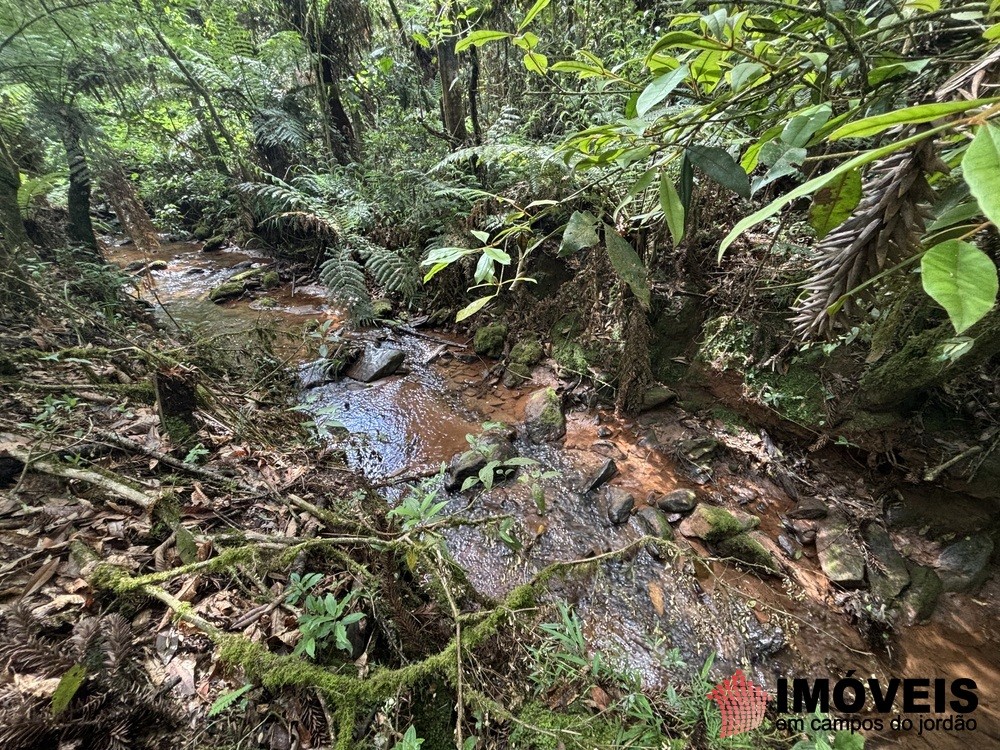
[(791, 205)]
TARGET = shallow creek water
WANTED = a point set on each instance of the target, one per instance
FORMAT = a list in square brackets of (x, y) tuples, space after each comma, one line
[(635, 610)]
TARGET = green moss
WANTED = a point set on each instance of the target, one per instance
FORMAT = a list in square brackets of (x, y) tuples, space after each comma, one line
[(797, 395), (433, 717), (721, 523), (526, 352), (748, 550), (382, 308), (541, 728), (267, 303), (270, 280), (489, 340), (226, 290)]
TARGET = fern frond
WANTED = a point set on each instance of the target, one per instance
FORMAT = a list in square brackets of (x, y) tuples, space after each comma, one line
[(345, 279), (34, 188)]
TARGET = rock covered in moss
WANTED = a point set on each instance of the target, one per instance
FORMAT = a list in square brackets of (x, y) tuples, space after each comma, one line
[(921, 596), (543, 416), (749, 549), (657, 396), (270, 279), (964, 565), (713, 524), (888, 575), (489, 340), (382, 308), (527, 352)]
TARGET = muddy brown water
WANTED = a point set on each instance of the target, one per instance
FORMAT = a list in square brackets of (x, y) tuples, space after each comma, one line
[(640, 612)]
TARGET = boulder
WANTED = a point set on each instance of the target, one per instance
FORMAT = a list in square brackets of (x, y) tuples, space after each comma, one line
[(804, 530), (656, 396), (526, 352), (749, 549), (653, 522), (619, 504), (214, 244), (678, 501), (713, 524), (964, 565), (375, 364), (600, 477), (543, 416), (489, 340), (887, 573), (698, 448), (227, 290), (840, 554), (810, 508)]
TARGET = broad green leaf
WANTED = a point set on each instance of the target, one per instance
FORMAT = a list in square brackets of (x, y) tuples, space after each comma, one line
[(659, 90), (537, 8), (69, 684), (907, 116), (992, 33), (721, 167), (806, 188), (500, 256), (833, 204), (743, 74), (962, 279), (536, 62), (187, 547), (580, 233), (673, 209), (685, 40), (981, 170), (472, 308), (479, 38), (584, 70), (629, 266), (804, 125), (885, 72)]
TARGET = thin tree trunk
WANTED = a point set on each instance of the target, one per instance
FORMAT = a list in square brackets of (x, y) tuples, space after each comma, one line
[(452, 96), (14, 288), (80, 229), (344, 140), (131, 213), (474, 96)]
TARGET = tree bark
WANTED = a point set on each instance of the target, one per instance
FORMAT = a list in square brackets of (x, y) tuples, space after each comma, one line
[(79, 230), (452, 96), (14, 286)]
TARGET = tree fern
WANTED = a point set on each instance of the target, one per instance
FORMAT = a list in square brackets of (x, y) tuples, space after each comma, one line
[(345, 280)]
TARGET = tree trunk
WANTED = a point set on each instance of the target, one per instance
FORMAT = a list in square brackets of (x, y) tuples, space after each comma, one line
[(79, 230), (176, 401), (14, 288), (452, 96), (343, 141), (131, 213)]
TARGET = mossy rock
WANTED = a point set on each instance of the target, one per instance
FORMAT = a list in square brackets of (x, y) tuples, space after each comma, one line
[(214, 244), (266, 303), (226, 290), (750, 551), (489, 340), (544, 420), (270, 280), (527, 352), (516, 374), (714, 524)]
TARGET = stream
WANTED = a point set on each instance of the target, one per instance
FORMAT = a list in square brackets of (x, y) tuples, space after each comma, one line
[(648, 614)]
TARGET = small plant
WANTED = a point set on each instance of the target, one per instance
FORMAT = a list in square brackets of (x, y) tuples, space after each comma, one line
[(420, 507), (299, 586), (195, 455), (818, 738), (227, 700), (325, 617), (410, 741)]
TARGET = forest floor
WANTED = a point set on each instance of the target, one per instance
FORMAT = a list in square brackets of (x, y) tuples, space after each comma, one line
[(202, 546)]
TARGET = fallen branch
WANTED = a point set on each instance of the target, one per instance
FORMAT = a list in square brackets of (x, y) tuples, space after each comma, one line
[(143, 499)]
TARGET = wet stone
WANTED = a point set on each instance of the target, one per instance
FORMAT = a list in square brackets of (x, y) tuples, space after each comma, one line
[(697, 449), (619, 503), (604, 432), (887, 575), (492, 447), (804, 530), (789, 546), (543, 416), (840, 555), (376, 364), (653, 522), (811, 508), (964, 565), (678, 501)]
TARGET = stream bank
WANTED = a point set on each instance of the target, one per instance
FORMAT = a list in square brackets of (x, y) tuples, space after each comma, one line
[(798, 623)]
